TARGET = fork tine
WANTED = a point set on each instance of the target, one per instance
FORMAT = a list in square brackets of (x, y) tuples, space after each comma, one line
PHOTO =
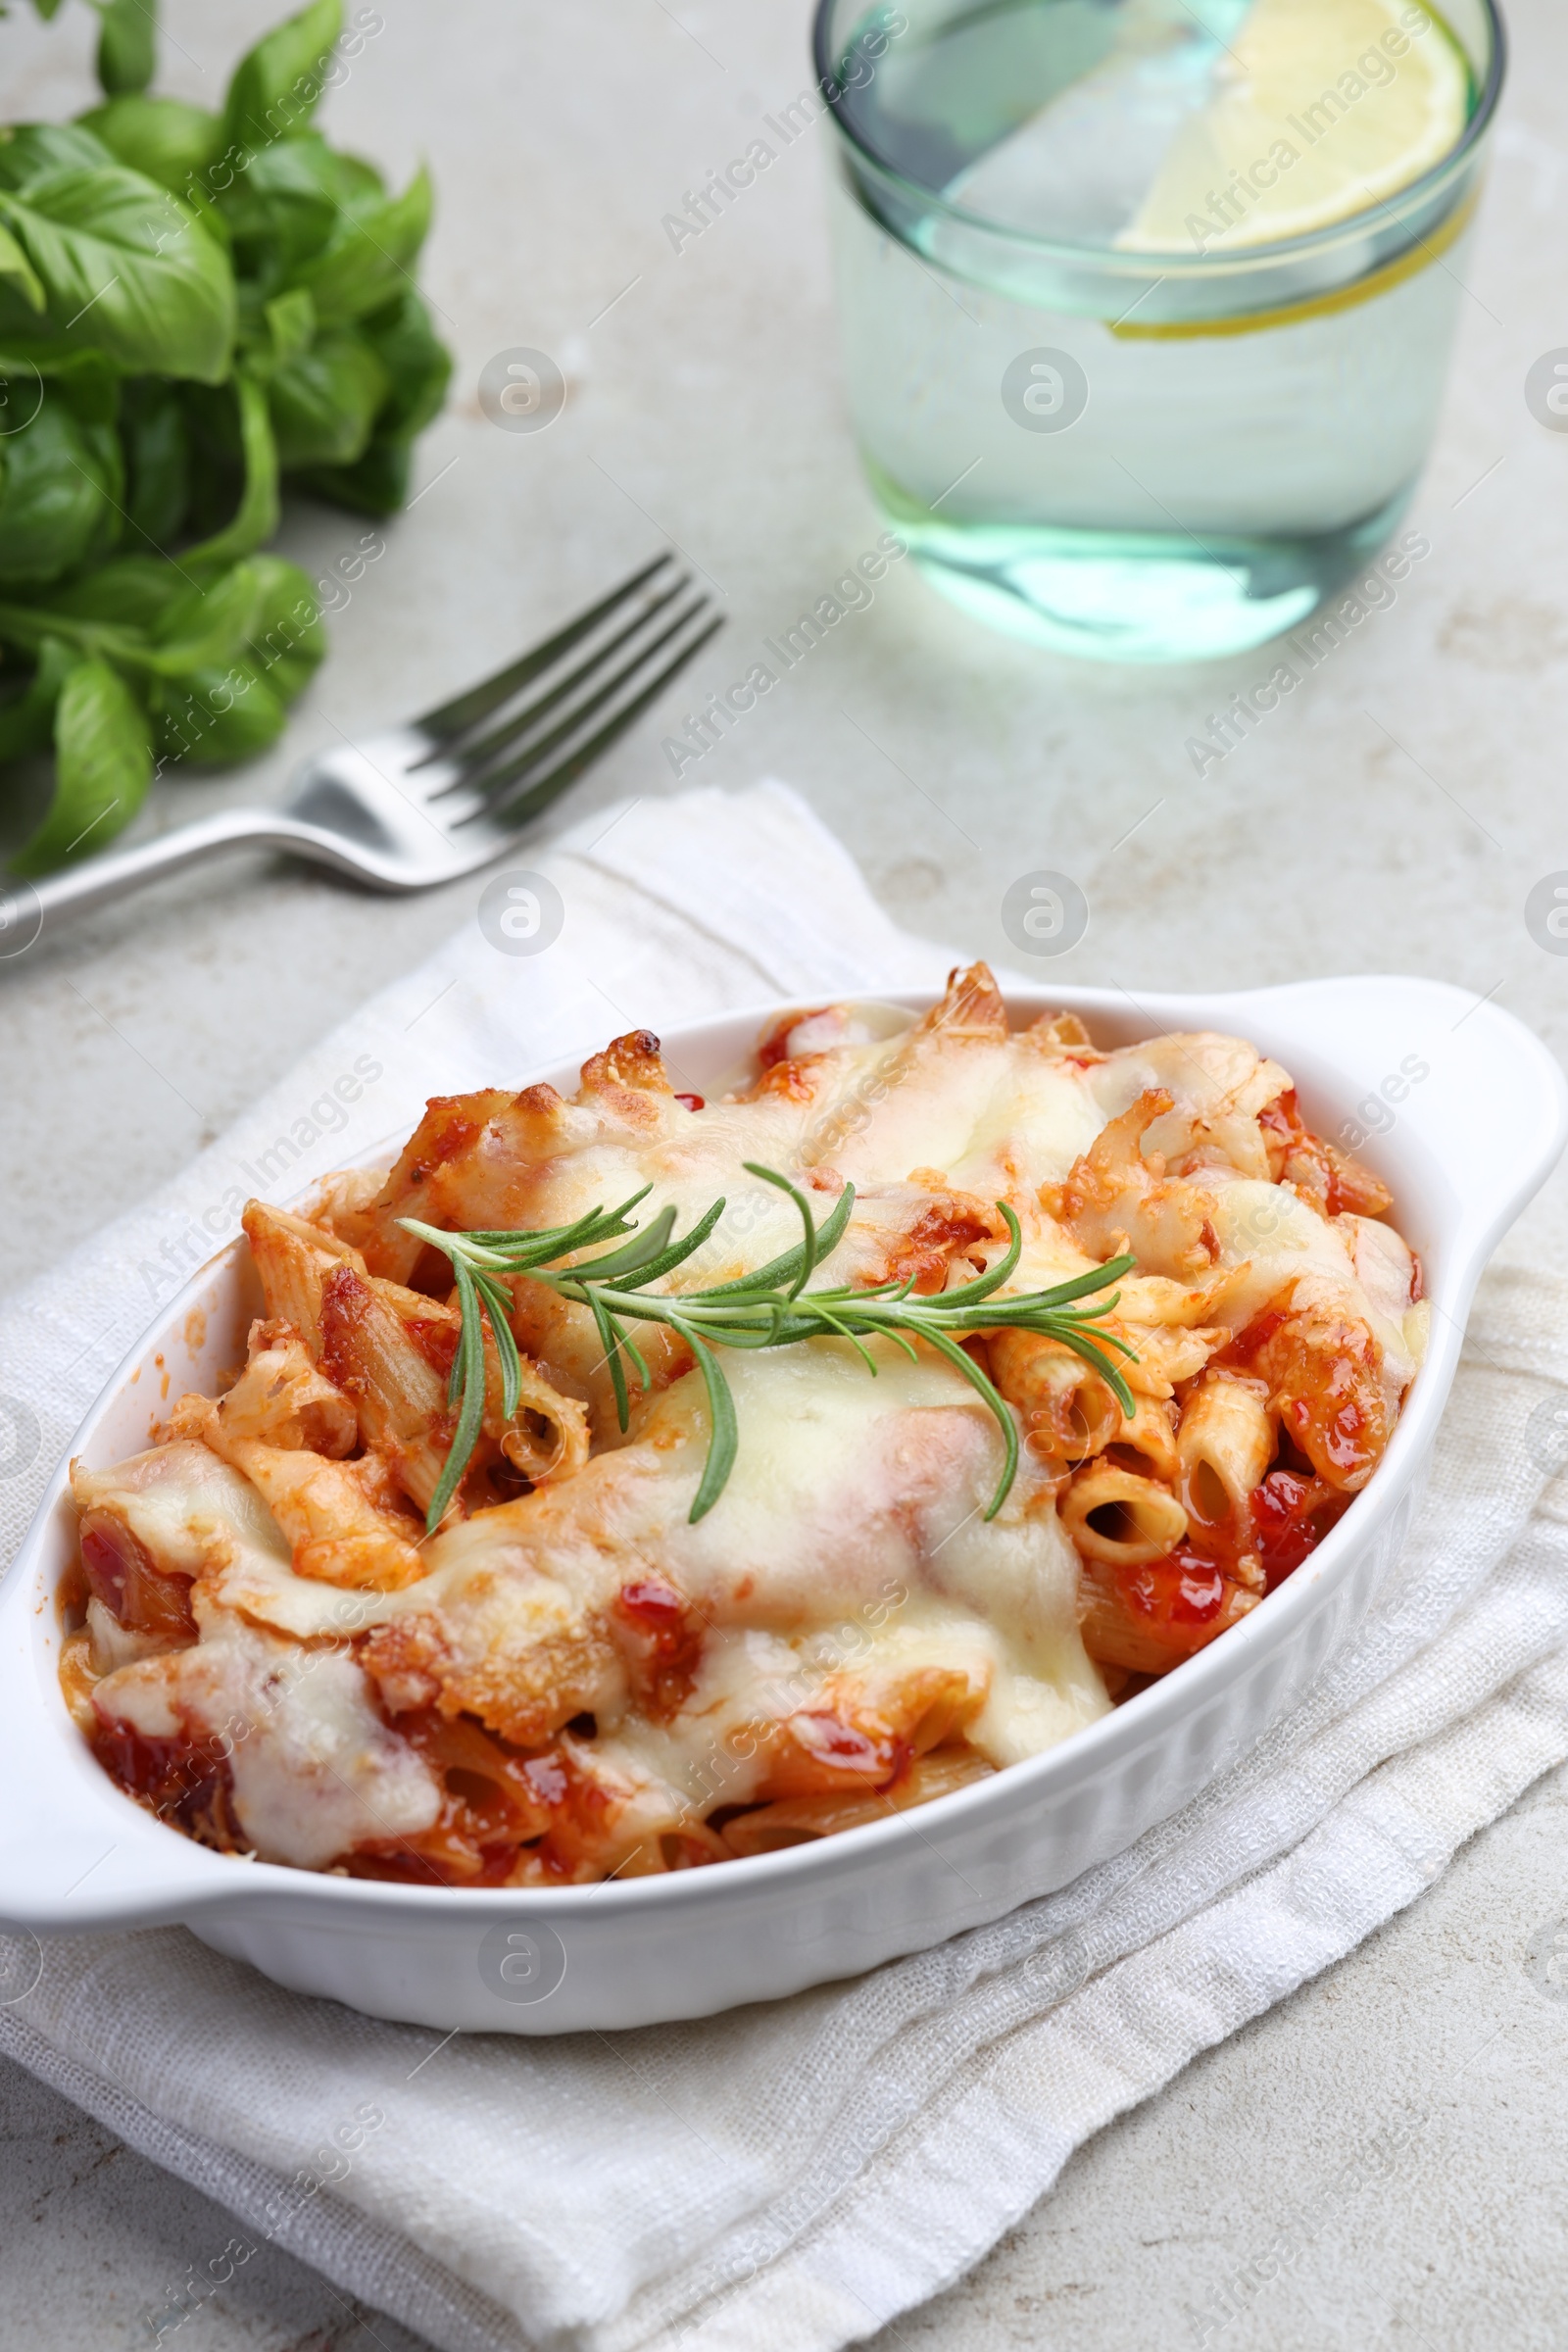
[(487, 747), (467, 710), (532, 802), (489, 782)]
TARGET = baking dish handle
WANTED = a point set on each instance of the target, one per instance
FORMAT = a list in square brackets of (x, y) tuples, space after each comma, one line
[(1478, 1095)]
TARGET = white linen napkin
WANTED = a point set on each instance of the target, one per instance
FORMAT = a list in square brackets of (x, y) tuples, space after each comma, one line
[(792, 2175)]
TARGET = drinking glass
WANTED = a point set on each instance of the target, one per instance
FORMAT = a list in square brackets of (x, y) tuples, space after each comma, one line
[(1132, 451)]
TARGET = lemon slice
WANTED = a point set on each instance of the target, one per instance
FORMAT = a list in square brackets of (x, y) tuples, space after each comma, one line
[(1320, 109)]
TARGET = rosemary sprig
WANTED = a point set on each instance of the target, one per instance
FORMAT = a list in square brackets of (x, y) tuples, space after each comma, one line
[(770, 1308)]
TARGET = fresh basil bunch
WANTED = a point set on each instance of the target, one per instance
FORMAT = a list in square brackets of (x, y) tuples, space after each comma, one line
[(194, 309)]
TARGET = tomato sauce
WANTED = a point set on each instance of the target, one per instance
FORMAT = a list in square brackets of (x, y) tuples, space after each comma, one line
[(835, 1748), (1184, 1588), (186, 1784), (665, 1641), (1291, 1515), (776, 1047)]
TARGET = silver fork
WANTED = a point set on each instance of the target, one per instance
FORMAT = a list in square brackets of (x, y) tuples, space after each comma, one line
[(424, 802)]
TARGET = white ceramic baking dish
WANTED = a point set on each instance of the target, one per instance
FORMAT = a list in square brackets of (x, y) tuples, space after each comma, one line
[(1463, 1147)]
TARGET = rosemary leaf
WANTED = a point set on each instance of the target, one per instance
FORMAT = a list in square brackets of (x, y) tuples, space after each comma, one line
[(964, 1362), (1091, 1355), (609, 1341), (634, 1259), (498, 1308), (779, 1270), (665, 1260), (469, 1364), (808, 1250), (726, 1435), (770, 1308)]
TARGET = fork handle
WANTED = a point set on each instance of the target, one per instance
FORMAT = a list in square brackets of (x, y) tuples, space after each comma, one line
[(111, 875)]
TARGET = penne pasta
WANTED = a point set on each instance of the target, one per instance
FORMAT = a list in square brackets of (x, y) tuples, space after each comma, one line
[(1146, 1620), (1120, 1517), (797, 1821), (1068, 1412), (1323, 1370), (293, 1260), (686, 1848), (1148, 1442), (853, 1736), (400, 1397), (1225, 1444), (1167, 1355), (343, 1521)]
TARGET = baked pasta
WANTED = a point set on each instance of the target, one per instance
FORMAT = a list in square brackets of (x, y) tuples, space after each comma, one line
[(303, 1636)]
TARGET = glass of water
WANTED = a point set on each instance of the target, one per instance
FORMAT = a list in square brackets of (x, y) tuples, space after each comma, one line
[(1148, 304)]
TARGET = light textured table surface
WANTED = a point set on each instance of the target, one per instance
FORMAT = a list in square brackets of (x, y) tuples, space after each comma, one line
[(1393, 814)]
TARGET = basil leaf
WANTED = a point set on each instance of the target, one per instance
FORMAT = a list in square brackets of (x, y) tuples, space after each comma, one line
[(206, 626), (128, 45), (375, 484), (218, 714), (286, 205), (290, 325), (130, 592), (217, 460), (30, 150), (417, 360), (59, 493), (277, 84), (157, 447), (262, 616), (16, 266), (26, 625), (87, 381), (285, 634), (161, 291), (27, 722), (365, 263), (16, 316), (162, 138), (325, 402), (103, 766), (419, 366), (256, 518)]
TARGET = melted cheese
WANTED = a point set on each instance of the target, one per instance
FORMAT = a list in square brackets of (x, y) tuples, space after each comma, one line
[(845, 1490), (199, 1518), (315, 1769)]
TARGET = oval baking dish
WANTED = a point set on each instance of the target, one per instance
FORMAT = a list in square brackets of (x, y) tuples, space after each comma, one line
[(1462, 1153)]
